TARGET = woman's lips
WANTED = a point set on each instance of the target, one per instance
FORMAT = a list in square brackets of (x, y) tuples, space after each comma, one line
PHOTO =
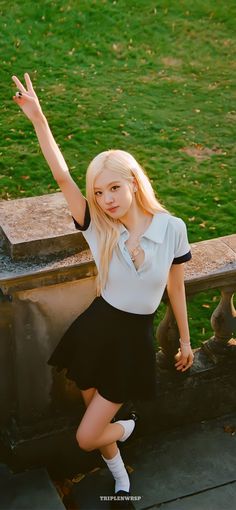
[(113, 209)]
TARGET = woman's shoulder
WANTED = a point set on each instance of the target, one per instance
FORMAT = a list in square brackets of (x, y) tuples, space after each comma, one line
[(176, 221), (166, 216), (172, 222)]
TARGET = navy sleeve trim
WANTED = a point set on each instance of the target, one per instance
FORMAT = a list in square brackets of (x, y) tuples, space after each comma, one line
[(183, 258), (87, 219)]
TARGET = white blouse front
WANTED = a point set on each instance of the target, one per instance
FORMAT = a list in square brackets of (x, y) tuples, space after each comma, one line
[(140, 290)]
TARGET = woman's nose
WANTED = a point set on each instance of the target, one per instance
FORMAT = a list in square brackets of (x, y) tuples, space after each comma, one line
[(108, 198)]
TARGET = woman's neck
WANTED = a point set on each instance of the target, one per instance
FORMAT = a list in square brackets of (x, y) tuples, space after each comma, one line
[(136, 219)]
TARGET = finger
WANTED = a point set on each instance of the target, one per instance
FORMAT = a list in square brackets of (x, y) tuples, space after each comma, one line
[(187, 365), (29, 82), (20, 99), (23, 95), (17, 100), (186, 368), (19, 95), (181, 362), (18, 84), (179, 366), (183, 365), (190, 360)]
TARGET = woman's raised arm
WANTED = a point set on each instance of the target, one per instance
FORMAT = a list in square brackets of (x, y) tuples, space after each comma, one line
[(28, 101)]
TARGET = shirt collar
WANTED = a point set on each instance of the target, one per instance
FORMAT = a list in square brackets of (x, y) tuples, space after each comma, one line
[(157, 228)]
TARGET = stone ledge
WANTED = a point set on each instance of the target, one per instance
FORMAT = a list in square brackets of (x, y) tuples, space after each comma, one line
[(211, 256), (47, 249), (37, 226), (213, 263)]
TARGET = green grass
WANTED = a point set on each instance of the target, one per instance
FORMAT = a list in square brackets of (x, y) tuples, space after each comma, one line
[(149, 77)]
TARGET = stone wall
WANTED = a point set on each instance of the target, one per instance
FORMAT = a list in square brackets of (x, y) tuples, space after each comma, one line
[(47, 278)]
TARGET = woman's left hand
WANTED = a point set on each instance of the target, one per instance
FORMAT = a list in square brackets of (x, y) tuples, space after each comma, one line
[(184, 358), (27, 99)]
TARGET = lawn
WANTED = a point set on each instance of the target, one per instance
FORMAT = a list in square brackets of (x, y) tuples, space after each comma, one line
[(154, 78)]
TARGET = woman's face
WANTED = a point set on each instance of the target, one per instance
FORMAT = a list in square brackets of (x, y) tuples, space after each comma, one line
[(113, 193)]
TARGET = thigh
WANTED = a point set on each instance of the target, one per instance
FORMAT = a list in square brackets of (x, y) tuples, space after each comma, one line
[(98, 415)]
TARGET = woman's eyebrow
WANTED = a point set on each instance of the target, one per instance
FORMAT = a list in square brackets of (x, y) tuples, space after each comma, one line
[(109, 184)]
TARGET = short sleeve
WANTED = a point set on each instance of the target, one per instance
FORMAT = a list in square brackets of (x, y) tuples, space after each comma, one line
[(87, 220), (182, 247)]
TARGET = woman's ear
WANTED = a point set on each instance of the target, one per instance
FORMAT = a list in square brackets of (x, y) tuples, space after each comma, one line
[(135, 186)]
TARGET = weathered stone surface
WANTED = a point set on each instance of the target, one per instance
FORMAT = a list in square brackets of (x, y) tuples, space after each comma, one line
[(230, 241), (213, 264), (43, 271), (39, 226), (211, 256), (30, 490), (186, 468)]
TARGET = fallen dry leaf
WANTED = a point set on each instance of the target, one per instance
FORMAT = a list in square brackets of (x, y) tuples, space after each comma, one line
[(129, 469), (78, 478), (63, 486), (230, 429)]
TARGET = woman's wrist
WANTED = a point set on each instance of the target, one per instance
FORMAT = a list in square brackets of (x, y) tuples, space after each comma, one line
[(184, 342), (39, 119), (185, 347)]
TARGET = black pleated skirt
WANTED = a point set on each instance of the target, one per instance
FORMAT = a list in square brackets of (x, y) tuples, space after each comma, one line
[(110, 350)]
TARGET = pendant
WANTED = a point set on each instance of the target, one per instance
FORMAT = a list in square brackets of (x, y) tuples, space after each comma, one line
[(135, 252)]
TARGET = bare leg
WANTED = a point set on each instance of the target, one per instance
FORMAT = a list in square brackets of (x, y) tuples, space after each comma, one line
[(110, 450), (101, 411), (95, 430)]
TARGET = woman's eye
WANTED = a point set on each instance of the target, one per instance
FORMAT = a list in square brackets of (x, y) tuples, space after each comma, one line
[(113, 188)]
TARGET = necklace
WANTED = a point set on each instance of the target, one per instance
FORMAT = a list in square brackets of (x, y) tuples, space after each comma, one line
[(135, 251), (137, 248)]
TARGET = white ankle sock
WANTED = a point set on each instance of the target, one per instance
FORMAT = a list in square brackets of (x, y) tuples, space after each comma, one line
[(128, 426), (117, 468)]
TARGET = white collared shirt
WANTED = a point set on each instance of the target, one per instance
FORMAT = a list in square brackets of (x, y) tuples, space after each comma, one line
[(140, 290)]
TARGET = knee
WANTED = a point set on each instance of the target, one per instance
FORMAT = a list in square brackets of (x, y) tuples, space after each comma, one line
[(84, 441)]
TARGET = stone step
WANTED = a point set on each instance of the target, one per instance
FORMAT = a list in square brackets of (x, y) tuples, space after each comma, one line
[(218, 498), (29, 490), (174, 470)]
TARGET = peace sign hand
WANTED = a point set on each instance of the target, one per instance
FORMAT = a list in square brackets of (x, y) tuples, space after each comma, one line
[(27, 99)]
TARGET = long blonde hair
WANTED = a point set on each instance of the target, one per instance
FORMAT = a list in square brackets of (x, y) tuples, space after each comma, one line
[(107, 228)]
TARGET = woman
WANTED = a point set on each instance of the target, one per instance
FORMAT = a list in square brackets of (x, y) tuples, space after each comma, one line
[(138, 248)]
